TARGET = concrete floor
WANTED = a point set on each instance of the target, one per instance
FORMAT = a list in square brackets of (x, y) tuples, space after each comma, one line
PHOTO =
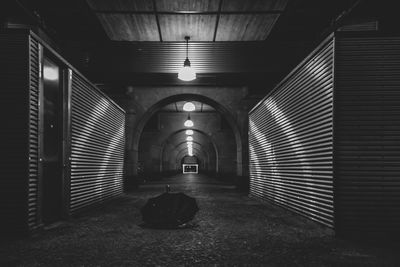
[(229, 230)]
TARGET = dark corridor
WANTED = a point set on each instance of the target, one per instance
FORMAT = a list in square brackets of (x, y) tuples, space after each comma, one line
[(281, 117)]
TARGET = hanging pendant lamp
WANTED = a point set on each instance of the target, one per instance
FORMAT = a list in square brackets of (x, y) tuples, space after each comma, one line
[(187, 73), (188, 122), (189, 106)]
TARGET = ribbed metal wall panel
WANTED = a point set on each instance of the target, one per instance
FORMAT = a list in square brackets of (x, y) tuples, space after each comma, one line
[(97, 146), (14, 80), (33, 182), (361, 26), (367, 134), (290, 140)]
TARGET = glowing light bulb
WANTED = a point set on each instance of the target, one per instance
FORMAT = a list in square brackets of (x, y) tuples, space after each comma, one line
[(188, 123), (187, 74), (189, 106)]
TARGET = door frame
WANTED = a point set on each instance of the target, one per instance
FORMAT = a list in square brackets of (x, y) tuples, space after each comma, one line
[(65, 85)]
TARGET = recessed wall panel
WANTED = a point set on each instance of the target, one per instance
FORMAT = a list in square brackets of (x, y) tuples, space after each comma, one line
[(245, 27), (121, 5), (187, 5), (197, 27), (253, 5), (130, 27)]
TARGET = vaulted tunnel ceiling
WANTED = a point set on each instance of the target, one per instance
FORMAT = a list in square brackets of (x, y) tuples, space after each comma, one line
[(178, 107)]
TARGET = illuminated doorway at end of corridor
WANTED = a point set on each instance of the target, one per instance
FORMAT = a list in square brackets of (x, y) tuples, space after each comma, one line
[(190, 168)]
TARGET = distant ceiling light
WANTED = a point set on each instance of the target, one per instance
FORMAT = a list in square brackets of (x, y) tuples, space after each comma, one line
[(189, 106), (189, 132), (189, 122), (187, 73), (189, 138), (189, 143)]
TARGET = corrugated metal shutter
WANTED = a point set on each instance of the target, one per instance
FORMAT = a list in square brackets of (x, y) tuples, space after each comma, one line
[(360, 26), (367, 134), (97, 146), (290, 140), (33, 183)]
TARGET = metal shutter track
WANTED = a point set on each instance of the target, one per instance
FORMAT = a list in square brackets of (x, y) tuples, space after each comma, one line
[(33, 183), (290, 140), (367, 120), (97, 146)]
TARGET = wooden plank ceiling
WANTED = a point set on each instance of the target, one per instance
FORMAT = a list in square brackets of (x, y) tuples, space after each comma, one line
[(202, 20)]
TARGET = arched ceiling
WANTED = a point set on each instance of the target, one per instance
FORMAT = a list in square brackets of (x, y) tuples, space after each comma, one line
[(180, 136), (178, 107), (177, 142), (200, 154), (188, 97)]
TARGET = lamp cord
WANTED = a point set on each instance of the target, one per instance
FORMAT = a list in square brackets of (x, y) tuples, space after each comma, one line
[(187, 48)]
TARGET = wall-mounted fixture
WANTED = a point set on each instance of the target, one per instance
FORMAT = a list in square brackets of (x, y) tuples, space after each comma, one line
[(187, 73)]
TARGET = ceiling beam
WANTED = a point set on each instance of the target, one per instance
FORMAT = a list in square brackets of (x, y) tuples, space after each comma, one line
[(189, 12), (157, 20), (217, 20)]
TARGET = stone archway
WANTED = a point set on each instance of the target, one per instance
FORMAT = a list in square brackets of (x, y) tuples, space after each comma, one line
[(212, 154), (224, 112)]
